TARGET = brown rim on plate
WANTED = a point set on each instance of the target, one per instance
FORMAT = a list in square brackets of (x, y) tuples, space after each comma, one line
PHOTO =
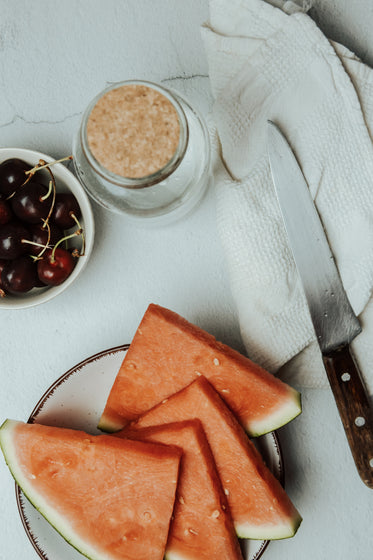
[(49, 393)]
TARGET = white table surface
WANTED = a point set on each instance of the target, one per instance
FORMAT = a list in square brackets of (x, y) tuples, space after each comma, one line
[(54, 57)]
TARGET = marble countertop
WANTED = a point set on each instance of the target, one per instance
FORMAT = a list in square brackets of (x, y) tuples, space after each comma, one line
[(54, 58)]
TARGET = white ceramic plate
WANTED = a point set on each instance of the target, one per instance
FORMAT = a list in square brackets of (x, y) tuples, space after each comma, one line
[(76, 400)]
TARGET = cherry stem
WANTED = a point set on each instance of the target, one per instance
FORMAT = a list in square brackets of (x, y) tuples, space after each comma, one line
[(42, 164), (48, 240), (27, 242), (43, 247), (49, 191), (75, 234), (81, 254)]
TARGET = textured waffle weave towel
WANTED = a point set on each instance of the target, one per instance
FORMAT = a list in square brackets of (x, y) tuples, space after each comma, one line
[(271, 63)]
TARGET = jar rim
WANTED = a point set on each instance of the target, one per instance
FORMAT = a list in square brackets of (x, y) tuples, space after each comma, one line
[(160, 174)]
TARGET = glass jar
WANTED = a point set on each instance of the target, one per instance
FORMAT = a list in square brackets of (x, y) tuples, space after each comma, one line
[(163, 194)]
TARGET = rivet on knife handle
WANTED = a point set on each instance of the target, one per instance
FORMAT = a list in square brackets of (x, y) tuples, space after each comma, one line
[(354, 409)]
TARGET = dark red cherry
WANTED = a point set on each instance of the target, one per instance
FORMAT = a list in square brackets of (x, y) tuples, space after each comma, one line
[(29, 203), (39, 235), (5, 212), (12, 236), (54, 269), (65, 205), (19, 275), (3, 262), (39, 283), (12, 175)]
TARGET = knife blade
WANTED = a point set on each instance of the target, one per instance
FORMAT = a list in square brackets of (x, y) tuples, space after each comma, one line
[(333, 318)]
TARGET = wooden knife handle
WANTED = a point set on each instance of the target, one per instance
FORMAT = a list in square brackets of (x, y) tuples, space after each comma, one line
[(354, 408)]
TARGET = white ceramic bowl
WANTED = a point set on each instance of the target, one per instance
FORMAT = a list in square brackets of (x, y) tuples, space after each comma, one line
[(65, 181)]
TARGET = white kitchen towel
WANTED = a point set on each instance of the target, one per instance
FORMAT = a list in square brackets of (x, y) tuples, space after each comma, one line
[(271, 63)]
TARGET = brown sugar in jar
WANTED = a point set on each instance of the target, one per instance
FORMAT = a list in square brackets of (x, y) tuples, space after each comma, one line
[(142, 150), (133, 131)]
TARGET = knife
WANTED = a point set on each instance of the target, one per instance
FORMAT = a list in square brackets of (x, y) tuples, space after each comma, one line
[(334, 321)]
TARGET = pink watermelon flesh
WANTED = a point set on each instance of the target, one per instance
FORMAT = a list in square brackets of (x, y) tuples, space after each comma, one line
[(110, 498), (202, 526), (258, 503), (167, 353)]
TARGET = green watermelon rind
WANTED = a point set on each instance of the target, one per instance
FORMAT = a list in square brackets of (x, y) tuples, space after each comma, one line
[(105, 425), (269, 533), (252, 532), (58, 522), (175, 556), (289, 410)]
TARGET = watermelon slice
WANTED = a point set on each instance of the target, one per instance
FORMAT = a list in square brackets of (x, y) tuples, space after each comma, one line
[(167, 353), (109, 498), (202, 526), (259, 505)]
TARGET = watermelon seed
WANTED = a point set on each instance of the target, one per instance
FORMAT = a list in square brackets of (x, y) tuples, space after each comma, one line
[(193, 531), (181, 500), (131, 365), (215, 514), (216, 362), (198, 373), (226, 491)]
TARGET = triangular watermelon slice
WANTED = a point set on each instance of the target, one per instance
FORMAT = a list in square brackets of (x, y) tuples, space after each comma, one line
[(167, 353), (109, 498), (259, 505), (202, 526)]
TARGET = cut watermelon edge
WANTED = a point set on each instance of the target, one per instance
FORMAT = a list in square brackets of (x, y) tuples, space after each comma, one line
[(58, 522), (280, 417)]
